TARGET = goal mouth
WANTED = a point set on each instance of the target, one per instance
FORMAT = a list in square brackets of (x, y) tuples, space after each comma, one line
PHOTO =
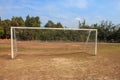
[(46, 41)]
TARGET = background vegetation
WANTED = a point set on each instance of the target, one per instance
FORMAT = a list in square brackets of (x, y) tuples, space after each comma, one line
[(107, 31)]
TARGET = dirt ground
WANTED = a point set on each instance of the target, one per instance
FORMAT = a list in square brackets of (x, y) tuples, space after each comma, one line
[(60, 62)]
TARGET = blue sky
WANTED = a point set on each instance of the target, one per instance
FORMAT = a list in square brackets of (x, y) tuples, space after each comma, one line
[(65, 11)]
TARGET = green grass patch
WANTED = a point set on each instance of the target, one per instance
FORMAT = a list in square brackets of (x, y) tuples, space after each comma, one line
[(4, 47)]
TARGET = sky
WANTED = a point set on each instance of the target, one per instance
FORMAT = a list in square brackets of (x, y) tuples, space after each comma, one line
[(68, 12)]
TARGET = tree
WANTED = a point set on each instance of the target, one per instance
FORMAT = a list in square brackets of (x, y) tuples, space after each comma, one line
[(79, 24), (6, 26), (27, 21), (17, 21), (32, 21), (107, 31), (37, 22), (83, 24), (50, 24), (117, 35), (0, 21), (59, 25), (1, 29)]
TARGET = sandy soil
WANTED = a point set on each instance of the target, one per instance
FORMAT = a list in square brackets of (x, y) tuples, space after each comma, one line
[(60, 62)]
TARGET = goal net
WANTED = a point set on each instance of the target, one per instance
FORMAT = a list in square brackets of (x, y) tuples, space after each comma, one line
[(49, 41)]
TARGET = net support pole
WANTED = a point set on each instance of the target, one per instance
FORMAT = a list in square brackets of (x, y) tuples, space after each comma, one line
[(95, 53), (15, 42), (88, 37), (87, 40), (12, 51)]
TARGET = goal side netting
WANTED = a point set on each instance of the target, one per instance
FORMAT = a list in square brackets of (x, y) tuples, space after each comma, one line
[(48, 41)]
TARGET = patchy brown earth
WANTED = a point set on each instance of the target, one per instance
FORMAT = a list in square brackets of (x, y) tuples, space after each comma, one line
[(57, 62), (4, 40)]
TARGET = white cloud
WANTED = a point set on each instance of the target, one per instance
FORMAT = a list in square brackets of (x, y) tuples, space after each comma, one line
[(79, 3), (78, 19), (75, 3), (56, 10)]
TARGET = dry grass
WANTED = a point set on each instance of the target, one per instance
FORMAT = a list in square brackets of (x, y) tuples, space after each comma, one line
[(60, 62)]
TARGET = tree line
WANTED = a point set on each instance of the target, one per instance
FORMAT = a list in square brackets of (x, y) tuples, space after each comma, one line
[(107, 31), (6, 24)]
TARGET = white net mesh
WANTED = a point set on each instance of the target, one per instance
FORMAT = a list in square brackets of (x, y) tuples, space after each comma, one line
[(47, 41)]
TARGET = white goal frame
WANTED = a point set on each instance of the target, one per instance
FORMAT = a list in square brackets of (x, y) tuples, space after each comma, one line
[(13, 30)]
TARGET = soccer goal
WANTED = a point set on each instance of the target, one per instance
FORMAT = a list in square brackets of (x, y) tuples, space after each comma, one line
[(42, 41)]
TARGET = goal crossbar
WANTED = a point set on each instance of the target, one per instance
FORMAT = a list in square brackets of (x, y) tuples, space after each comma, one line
[(53, 28)]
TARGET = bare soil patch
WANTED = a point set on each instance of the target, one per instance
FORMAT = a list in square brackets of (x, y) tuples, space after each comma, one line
[(60, 62)]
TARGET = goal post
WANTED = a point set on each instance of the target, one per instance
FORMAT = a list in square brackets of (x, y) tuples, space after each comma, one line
[(85, 36)]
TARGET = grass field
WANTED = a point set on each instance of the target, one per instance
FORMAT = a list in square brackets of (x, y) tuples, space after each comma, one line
[(55, 64)]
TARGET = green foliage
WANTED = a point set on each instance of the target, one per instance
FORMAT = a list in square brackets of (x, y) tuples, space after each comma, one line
[(59, 25), (53, 35), (0, 21), (32, 21), (116, 35), (83, 24), (28, 21), (51, 24), (17, 21), (1, 32), (107, 31), (5, 25), (6, 28)]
